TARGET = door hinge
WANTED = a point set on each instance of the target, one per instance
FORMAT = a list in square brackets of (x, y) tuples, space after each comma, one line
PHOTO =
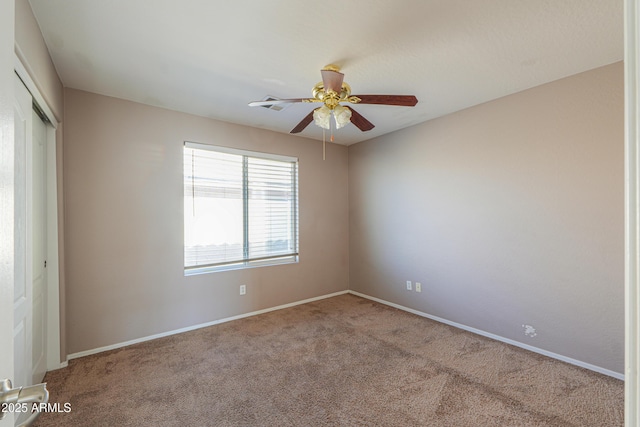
[(45, 263)]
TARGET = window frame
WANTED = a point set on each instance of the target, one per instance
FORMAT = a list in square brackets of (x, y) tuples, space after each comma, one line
[(291, 258)]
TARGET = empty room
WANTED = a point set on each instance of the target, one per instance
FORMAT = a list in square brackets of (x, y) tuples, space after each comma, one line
[(287, 213)]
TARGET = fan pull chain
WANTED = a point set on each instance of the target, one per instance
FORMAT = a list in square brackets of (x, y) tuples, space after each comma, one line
[(323, 144)]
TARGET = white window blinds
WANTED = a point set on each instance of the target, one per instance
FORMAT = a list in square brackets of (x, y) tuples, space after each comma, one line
[(240, 208)]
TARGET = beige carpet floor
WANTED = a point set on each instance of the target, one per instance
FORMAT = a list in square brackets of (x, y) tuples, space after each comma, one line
[(342, 361)]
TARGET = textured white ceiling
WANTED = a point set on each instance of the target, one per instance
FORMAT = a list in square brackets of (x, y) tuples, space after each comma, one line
[(211, 58)]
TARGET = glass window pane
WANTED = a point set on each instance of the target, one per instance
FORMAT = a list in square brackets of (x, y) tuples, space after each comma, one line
[(213, 207), (271, 221), (240, 210)]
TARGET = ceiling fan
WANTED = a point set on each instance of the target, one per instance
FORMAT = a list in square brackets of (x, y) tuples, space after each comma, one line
[(331, 92)]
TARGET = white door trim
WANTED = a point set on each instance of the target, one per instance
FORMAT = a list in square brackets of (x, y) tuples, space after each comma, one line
[(7, 192), (632, 211), (53, 272), (53, 268)]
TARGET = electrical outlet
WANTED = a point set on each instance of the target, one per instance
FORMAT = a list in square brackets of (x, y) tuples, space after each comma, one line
[(418, 287), (243, 289), (529, 331), (408, 285)]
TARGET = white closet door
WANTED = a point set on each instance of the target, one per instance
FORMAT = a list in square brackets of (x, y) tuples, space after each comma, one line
[(22, 291), (30, 286)]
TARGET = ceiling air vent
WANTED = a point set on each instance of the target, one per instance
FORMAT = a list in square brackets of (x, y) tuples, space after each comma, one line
[(277, 107)]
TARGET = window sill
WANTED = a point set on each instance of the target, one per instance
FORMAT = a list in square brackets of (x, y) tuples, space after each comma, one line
[(194, 271)]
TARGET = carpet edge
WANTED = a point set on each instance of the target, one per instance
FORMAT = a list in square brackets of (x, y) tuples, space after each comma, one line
[(528, 347), (198, 326)]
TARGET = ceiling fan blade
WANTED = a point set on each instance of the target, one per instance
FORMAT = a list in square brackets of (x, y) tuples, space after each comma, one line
[(401, 100), (303, 123), (359, 121), (332, 80), (278, 101)]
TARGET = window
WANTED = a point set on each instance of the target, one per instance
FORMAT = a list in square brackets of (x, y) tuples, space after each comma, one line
[(240, 208)]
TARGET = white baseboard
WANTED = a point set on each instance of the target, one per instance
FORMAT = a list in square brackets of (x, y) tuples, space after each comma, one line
[(381, 301), (194, 327), (498, 338), (60, 365)]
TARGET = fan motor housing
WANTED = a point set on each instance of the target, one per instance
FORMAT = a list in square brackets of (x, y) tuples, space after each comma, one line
[(331, 98)]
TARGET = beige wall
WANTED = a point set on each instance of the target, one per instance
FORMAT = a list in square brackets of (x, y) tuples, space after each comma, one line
[(508, 213), (124, 223), (32, 50)]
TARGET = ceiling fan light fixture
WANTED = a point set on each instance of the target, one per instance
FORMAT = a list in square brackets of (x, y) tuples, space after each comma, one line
[(322, 117), (342, 116)]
